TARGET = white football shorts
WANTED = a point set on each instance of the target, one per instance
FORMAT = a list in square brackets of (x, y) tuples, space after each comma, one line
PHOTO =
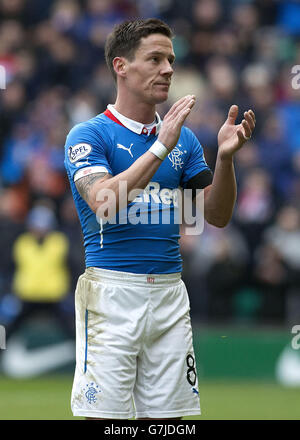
[(134, 348)]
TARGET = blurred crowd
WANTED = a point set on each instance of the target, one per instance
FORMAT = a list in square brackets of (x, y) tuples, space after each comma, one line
[(227, 52)]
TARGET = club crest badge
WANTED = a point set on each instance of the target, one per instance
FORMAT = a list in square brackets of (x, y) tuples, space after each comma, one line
[(175, 157), (90, 391)]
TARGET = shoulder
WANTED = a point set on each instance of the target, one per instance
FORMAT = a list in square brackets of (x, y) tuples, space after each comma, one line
[(88, 134), (58, 241), (188, 134), (24, 241), (190, 142), (92, 126)]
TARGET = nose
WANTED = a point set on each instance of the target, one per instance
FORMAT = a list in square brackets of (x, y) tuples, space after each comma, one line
[(167, 69)]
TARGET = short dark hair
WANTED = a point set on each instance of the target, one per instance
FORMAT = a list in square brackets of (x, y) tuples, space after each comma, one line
[(125, 38)]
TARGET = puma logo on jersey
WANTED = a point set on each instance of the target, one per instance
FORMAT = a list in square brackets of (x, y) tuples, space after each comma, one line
[(126, 148)]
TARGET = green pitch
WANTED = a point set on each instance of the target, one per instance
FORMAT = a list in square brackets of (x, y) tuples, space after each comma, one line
[(48, 398)]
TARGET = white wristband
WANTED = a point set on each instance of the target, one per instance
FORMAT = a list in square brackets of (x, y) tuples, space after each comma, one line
[(159, 150)]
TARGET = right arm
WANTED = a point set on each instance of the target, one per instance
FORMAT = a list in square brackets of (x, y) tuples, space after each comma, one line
[(94, 187)]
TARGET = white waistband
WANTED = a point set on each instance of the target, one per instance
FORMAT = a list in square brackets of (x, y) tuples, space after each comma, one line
[(99, 274)]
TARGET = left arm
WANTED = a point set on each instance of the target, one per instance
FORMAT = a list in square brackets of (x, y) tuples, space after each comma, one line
[(220, 196)]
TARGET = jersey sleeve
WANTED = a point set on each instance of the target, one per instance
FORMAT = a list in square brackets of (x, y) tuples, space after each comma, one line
[(196, 162), (85, 152)]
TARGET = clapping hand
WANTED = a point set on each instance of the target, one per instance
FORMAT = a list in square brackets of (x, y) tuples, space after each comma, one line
[(232, 137)]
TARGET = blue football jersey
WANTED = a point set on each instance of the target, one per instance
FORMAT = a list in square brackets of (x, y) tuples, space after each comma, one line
[(144, 236)]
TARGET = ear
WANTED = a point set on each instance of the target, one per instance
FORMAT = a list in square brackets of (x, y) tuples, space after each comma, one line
[(120, 66)]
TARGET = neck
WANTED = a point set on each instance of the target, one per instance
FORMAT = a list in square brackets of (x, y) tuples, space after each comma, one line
[(136, 110)]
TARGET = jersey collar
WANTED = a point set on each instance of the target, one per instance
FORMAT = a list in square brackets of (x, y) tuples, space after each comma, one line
[(132, 125)]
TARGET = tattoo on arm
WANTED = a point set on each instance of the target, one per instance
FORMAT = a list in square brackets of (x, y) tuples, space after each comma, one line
[(84, 184)]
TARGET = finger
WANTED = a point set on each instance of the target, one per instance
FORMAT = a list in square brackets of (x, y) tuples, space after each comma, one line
[(173, 120), (174, 106), (184, 111), (177, 103), (246, 128), (253, 115), (180, 105), (232, 114), (182, 115), (241, 136), (187, 103), (250, 120)]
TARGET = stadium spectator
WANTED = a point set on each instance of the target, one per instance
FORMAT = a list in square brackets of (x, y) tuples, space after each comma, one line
[(41, 278), (284, 238), (255, 206), (206, 255)]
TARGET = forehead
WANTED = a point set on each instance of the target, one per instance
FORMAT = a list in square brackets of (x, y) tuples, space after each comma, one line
[(155, 43)]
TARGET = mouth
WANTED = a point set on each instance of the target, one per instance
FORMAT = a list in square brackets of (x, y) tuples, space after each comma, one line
[(163, 84)]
